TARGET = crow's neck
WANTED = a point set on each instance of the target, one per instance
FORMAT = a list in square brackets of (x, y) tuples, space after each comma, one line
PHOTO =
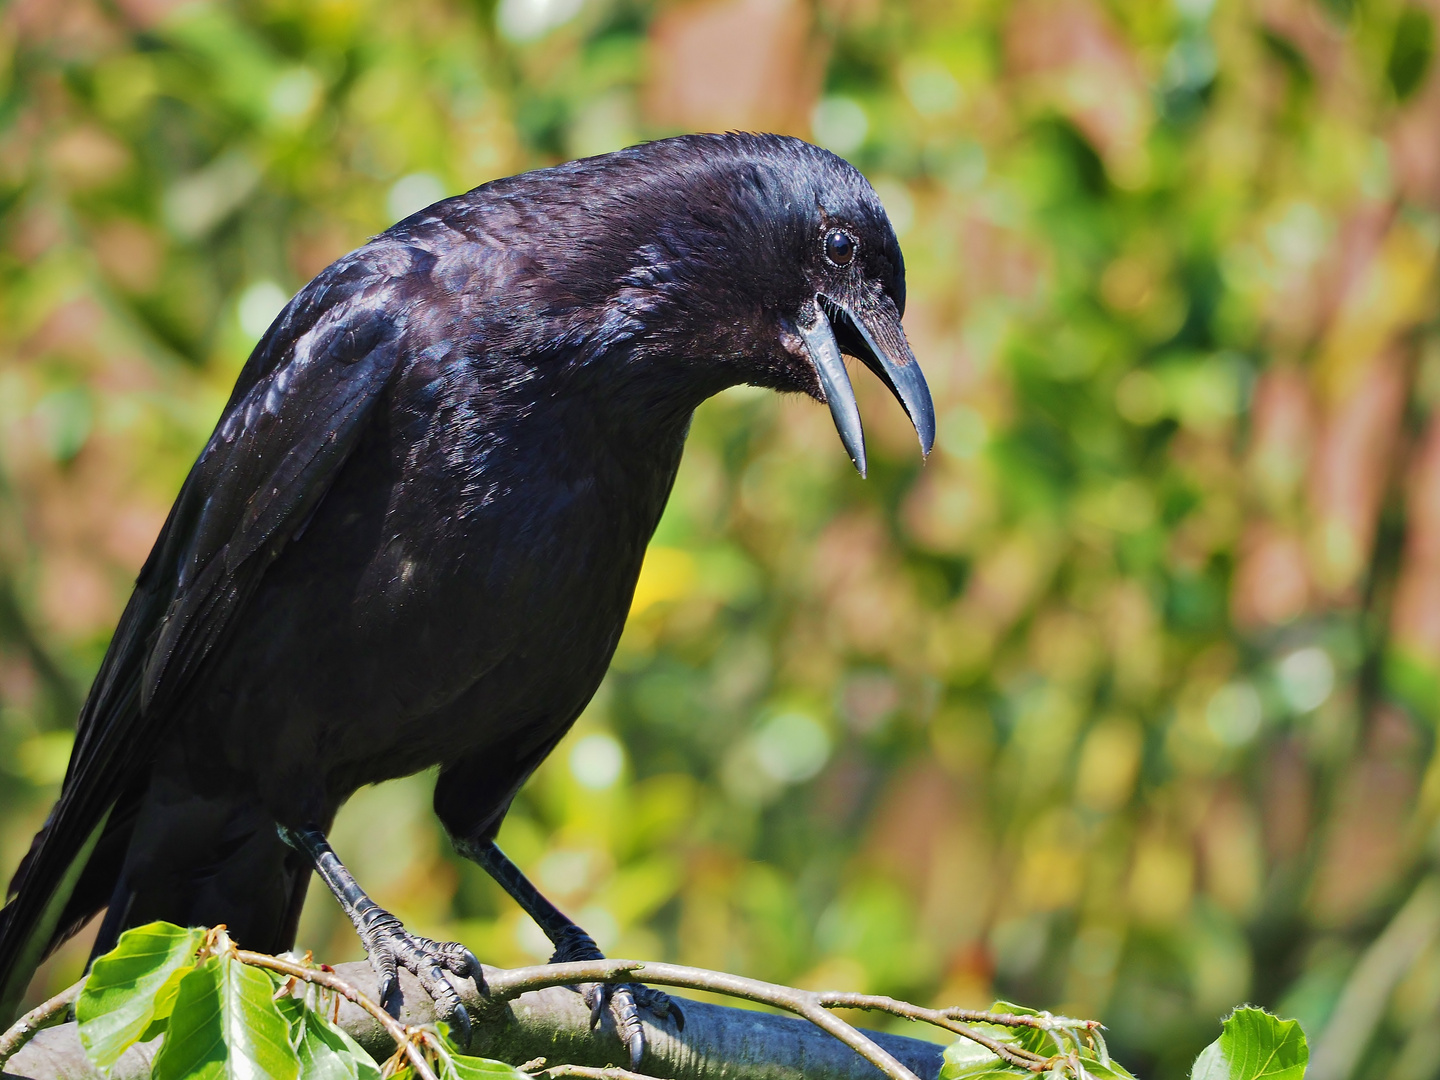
[(629, 459), (641, 404)]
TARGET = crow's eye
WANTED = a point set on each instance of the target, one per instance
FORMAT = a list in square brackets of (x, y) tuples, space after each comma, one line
[(839, 247)]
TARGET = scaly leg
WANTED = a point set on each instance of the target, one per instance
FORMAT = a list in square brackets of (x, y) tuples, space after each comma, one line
[(572, 943), (387, 942)]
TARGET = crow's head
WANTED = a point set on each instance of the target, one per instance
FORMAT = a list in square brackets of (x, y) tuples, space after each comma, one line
[(780, 257), (704, 261)]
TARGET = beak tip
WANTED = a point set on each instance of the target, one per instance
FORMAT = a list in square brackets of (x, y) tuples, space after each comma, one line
[(887, 353), (858, 460)]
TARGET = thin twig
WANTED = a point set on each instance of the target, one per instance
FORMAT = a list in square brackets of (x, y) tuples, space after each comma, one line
[(949, 1018), (585, 1072), (47, 1014), (405, 1038), (536, 1067), (813, 1006)]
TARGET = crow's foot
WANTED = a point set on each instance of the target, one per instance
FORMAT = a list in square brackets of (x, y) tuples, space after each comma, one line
[(623, 1000), (391, 947)]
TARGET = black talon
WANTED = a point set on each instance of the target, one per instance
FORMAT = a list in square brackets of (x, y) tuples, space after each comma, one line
[(459, 1021), (637, 1047), (390, 995)]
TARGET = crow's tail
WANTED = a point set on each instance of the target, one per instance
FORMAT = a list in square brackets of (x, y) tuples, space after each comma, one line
[(56, 892), (203, 859), (161, 852)]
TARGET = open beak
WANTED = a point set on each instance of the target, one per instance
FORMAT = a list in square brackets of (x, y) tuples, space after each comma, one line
[(869, 330)]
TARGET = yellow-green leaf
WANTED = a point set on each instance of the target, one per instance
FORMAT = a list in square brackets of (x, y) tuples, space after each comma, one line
[(1253, 1045), (325, 1051), (127, 988), (226, 1026), (454, 1065)]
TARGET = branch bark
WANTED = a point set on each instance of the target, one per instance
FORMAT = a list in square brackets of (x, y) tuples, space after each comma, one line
[(554, 1023)]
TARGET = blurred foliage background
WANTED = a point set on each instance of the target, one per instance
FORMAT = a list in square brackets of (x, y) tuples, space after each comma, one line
[(1122, 704)]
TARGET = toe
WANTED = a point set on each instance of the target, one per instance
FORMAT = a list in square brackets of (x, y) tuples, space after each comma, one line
[(426, 961), (456, 958), (447, 1001), (391, 948), (627, 1022), (466, 966), (659, 1004)]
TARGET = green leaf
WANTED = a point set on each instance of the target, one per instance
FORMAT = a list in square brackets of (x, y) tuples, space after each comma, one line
[(164, 1003), (325, 1051), (454, 1065), (127, 988), (1112, 1071), (1254, 1044), (1030, 1038), (226, 1026), (966, 1060)]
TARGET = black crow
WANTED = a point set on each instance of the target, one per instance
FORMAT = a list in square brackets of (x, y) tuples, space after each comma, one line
[(414, 535)]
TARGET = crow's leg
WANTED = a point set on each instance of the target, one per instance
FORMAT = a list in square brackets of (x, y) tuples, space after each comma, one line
[(387, 942), (572, 943)]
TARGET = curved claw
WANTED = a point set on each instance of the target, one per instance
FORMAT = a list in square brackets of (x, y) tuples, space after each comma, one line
[(636, 1045), (390, 999), (459, 1021)]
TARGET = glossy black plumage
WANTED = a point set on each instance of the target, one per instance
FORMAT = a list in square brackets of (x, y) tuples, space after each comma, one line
[(414, 536)]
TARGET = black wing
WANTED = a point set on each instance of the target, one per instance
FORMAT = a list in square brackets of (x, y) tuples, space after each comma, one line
[(298, 410)]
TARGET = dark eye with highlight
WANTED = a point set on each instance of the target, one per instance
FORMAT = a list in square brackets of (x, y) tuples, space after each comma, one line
[(840, 247)]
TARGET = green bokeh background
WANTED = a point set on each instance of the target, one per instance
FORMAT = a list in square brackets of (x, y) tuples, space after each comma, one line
[(1121, 704)]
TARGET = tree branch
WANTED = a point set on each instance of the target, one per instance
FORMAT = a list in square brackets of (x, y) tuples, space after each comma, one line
[(46, 1014), (527, 1016)]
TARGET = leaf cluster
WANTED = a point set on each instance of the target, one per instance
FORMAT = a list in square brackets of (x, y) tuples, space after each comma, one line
[(1253, 1045), (224, 1019)]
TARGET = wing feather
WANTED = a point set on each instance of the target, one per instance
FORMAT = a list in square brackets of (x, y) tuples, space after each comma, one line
[(297, 412)]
